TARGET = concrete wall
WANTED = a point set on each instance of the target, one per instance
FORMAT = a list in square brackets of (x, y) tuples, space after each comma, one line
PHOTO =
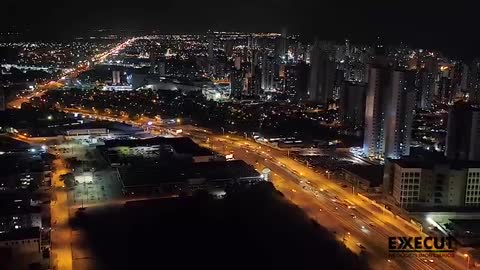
[(414, 225)]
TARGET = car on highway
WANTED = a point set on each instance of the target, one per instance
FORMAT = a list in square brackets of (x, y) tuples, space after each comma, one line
[(361, 246)]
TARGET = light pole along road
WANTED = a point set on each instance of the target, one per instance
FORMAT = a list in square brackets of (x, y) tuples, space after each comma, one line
[(369, 227)]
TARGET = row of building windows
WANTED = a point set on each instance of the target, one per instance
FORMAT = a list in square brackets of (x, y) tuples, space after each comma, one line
[(474, 187), (12, 243), (409, 193), (476, 174), (406, 187), (472, 200), (473, 181), (411, 181), (411, 174), (473, 193), (408, 199)]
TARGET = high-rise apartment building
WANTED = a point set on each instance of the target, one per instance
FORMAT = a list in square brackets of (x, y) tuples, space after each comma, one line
[(322, 75), (474, 82), (463, 132), (301, 81), (116, 77), (289, 80), (268, 72), (210, 48), (389, 107), (352, 104), (236, 82), (2, 99), (427, 77)]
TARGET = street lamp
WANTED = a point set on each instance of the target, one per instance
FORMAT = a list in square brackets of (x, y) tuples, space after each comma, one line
[(465, 255), (345, 235), (223, 131), (387, 264)]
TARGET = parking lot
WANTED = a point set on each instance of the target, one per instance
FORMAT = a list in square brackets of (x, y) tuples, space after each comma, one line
[(329, 160), (101, 187), (95, 181)]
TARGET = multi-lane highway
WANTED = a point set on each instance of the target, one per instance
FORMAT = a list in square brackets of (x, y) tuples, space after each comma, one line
[(72, 73), (363, 228), (363, 225), (61, 234)]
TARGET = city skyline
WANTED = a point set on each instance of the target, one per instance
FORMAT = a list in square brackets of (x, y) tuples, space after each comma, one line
[(140, 134), (420, 25)]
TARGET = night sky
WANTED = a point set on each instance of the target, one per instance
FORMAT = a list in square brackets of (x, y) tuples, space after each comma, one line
[(450, 26)]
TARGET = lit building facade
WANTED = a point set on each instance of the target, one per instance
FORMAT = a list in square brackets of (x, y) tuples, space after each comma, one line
[(432, 183), (389, 107), (116, 77), (236, 83), (406, 187), (268, 72), (472, 194)]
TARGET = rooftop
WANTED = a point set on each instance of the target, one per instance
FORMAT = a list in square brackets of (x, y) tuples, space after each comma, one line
[(182, 145), (111, 126), (20, 234), (8, 144), (18, 210), (430, 163), (421, 158), (19, 163), (372, 173), (151, 175), (472, 225)]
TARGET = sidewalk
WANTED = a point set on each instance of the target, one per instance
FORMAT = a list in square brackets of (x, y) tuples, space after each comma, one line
[(61, 232)]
